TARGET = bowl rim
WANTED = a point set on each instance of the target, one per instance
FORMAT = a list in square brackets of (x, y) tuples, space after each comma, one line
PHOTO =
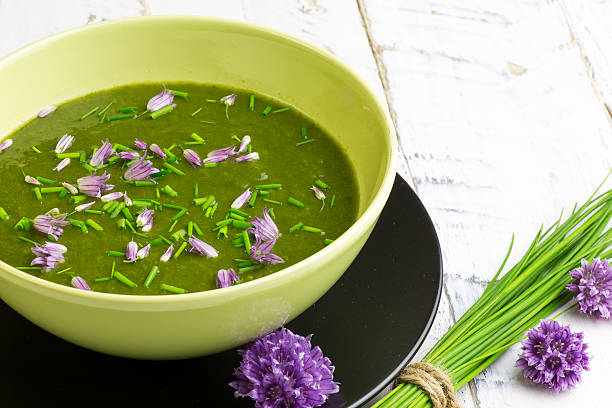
[(359, 227)]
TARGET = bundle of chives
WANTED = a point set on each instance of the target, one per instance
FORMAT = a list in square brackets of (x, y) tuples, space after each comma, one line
[(531, 290)]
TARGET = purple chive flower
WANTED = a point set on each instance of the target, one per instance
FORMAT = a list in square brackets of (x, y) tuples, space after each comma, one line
[(102, 154), (131, 251), (46, 111), (228, 101), (49, 255), (111, 197), (158, 151), (143, 252), (248, 157), (264, 228), (283, 369), (242, 199), (6, 144), (144, 221), (79, 283), (593, 283), (62, 165), (160, 100), (128, 155), (64, 143), (202, 248), (32, 180), (127, 200), (166, 256), (72, 189), (261, 251), (140, 145), (141, 170), (220, 154), (83, 207), (226, 278), (553, 355), (318, 193), (93, 185), (244, 144), (192, 157), (50, 225)]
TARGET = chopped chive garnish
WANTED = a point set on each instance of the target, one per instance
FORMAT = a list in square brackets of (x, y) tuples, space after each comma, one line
[(129, 224), (162, 111), (129, 109), (250, 268), (93, 224), (190, 229), (47, 190), (144, 183), (169, 191), (208, 122), (272, 213), (179, 215), (268, 186), (252, 102), (156, 241), (166, 240), (333, 200), (36, 149), (88, 167), (93, 212), (3, 214), (123, 279), (196, 190), (250, 148), (193, 143), (178, 235), (28, 240), (109, 207), (267, 111), (24, 224), (91, 112), (304, 133), (296, 227), (200, 200), (214, 208), (236, 138), (45, 180), (77, 223), (126, 213), (63, 270), (63, 193), (78, 199), (117, 210), (172, 226), (28, 268), (222, 232), (245, 264), (180, 94), (210, 165), (242, 213), (173, 169), (241, 224), (174, 207), (180, 250), (267, 200), (223, 223), (237, 217), (196, 111), (37, 193), (172, 289), (102, 118), (263, 192), (122, 116), (142, 203), (121, 224), (311, 229), (197, 137), (328, 241), (208, 212), (104, 279), (197, 229), (251, 202), (209, 201), (82, 157), (120, 147), (240, 260), (321, 184), (305, 142), (154, 271), (281, 110), (115, 253), (211, 100), (295, 202), (103, 111), (247, 241)]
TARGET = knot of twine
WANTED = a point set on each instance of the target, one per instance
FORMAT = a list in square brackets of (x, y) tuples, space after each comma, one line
[(433, 381)]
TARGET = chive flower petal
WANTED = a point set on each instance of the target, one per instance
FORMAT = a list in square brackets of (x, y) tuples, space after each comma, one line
[(127, 200), (140, 145), (143, 252), (50, 225), (192, 157), (32, 180), (72, 189), (220, 154), (141, 170), (226, 278), (128, 155), (318, 193), (553, 355), (64, 143), (242, 199), (83, 207), (244, 144), (93, 185), (46, 111), (593, 285), (79, 283), (49, 255), (264, 228), (6, 144), (166, 256), (158, 151), (202, 248), (228, 100), (111, 197), (62, 165), (102, 155), (283, 369), (144, 221), (160, 100), (131, 251), (248, 157)]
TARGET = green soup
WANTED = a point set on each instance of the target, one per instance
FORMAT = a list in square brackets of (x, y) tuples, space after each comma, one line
[(293, 151)]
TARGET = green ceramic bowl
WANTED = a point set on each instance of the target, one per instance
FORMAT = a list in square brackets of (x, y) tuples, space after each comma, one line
[(100, 56)]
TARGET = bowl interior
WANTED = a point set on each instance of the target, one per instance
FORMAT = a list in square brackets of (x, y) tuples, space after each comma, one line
[(216, 51)]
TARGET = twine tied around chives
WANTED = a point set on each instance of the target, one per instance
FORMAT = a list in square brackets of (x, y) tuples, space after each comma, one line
[(433, 381)]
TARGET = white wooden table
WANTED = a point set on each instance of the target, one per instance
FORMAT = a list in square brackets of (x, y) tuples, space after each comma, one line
[(503, 110)]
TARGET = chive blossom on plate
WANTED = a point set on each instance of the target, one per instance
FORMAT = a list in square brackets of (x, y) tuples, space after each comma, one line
[(6, 144), (111, 197), (93, 185), (79, 283), (62, 165), (226, 278), (242, 199), (46, 111), (248, 157), (144, 221), (192, 158), (166, 256), (102, 155), (202, 248), (141, 170), (51, 223), (49, 255), (64, 143), (160, 100)]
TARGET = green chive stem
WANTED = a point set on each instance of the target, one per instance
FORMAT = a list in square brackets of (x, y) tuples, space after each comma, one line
[(268, 186), (63, 270), (267, 111), (196, 111), (45, 180), (321, 184), (35, 149), (328, 241), (173, 169), (296, 227), (251, 202), (250, 268), (172, 226), (169, 191), (197, 229), (29, 241), (123, 279), (281, 110), (247, 241), (28, 268), (91, 112), (210, 165), (190, 229), (305, 142), (93, 212), (238, 212), (37, 193), (295, 201), (304, 133), (172, 289), (252, 103), (208, 122), (122, 116), (311, 229), (211, 100), (162, 111), (179, 250), (333, 200), (104, 279), (152, 273), (241, 224), (180, 94), (103, 111), (116, 253), (93, 224), (179, 215), (267, 200)]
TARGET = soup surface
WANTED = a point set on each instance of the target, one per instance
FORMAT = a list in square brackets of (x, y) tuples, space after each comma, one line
[(277, 133)]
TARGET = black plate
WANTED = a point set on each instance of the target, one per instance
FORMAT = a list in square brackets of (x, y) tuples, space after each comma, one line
[(369, 324)]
